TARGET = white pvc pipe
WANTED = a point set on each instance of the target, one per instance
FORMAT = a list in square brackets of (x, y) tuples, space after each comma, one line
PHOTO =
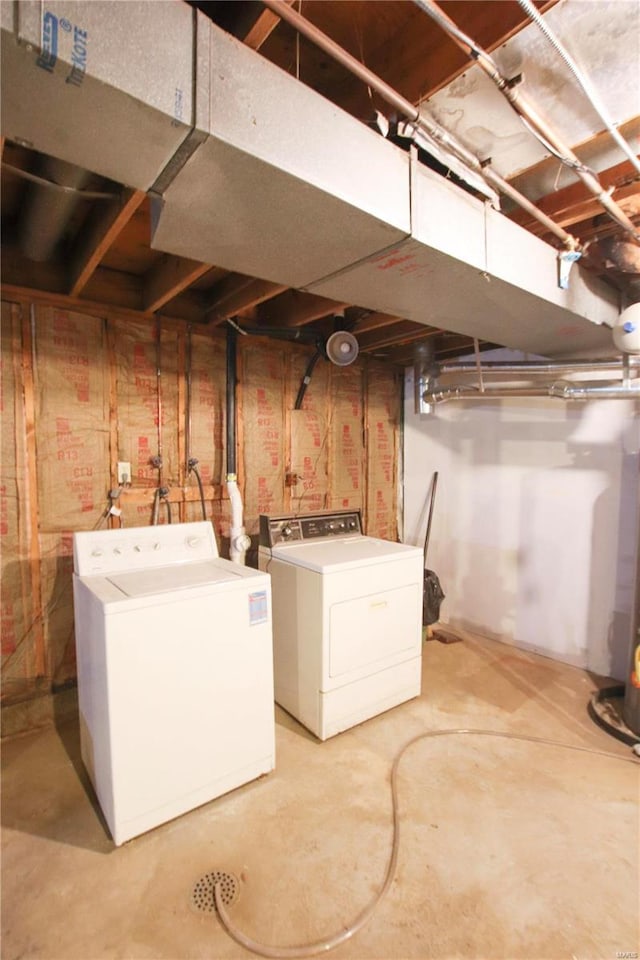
[(239, 541)]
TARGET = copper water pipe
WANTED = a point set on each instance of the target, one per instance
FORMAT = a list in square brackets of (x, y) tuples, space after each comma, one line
[(528, 113), (405, 107)]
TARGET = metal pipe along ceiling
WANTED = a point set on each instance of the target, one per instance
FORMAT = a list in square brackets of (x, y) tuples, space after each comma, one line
[(528, 113), (563, 390), (584, 82), (407, 109), (532, 368), (48, 210)]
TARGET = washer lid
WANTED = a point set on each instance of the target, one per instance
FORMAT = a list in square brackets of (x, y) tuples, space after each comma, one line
[(144, 583), (329, 555)]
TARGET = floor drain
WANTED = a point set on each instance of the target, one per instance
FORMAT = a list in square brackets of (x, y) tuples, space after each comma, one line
[(202, 894)]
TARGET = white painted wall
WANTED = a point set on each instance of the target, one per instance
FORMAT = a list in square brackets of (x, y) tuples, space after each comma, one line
[(535, 529)]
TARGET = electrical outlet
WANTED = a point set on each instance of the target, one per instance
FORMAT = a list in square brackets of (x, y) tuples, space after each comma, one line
[(124, 472)]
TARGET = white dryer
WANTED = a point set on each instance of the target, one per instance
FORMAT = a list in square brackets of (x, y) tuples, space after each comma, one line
[(347, 619), (175, 671)]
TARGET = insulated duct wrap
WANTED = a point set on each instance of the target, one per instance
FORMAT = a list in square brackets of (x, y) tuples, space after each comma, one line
[(110, 92), (287, 186)]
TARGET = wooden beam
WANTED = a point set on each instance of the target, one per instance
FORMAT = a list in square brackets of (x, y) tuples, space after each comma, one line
[(295, 309), (374, 321), (28, 386), (404, 331), (429, 61), (169, 277), (236, 293), (575, 203), (98, 235), (108, 290), (263, 28)]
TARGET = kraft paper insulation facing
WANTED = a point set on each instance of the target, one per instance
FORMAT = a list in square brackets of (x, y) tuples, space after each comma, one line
[(96, 399), (346, 461), (309, 461), (72, 418), (208, 398), (146, 358), (18, 610), (383, 417), (262, 396)]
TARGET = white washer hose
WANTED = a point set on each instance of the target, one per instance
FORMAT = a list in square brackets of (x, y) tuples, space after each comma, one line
[(323, 946), (587, 87)]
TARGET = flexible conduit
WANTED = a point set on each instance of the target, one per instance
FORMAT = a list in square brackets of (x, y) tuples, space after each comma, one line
[(429, 126), (530, 117), (323, 946), (584, 82)]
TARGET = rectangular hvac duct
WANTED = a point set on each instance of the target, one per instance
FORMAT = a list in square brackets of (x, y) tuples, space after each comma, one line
[(106, 86), (287, 187), (468, 269)]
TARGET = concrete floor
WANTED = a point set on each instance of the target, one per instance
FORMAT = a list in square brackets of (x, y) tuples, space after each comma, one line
[(507, 849)]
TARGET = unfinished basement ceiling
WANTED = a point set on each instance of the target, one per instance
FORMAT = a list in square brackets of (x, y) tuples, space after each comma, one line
[(104, 254)]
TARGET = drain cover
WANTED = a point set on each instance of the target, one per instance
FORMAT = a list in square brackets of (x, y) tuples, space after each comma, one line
[(202, 897)]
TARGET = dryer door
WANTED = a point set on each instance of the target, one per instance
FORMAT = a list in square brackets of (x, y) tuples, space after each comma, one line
[(373, 631)]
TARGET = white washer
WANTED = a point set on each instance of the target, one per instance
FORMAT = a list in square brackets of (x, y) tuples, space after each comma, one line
[(347, 619), (175, 671)]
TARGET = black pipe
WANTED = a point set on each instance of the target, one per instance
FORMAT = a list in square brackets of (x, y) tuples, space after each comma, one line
[(280, 333), (232, 379)]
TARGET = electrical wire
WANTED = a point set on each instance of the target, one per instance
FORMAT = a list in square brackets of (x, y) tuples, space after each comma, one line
[(329, 943)]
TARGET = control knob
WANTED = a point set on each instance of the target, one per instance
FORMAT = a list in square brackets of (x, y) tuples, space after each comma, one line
[(286, 531), (97, 552)]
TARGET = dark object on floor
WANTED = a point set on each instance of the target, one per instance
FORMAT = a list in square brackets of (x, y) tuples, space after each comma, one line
[(443, 635), (432, 592), (605, 707), (432, 597)]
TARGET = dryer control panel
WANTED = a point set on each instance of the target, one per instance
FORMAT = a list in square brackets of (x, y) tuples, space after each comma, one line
[(312, 526)]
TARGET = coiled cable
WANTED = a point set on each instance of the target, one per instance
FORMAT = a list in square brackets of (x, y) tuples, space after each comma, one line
[(329, 943)]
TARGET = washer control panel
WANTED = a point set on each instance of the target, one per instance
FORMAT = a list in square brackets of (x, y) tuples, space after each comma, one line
[(98, 552), (316, 526)]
